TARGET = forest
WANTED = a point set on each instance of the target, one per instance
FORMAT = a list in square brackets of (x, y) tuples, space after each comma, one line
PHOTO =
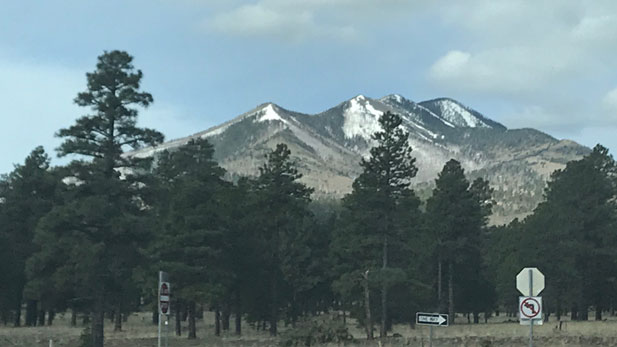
[(89, 237)]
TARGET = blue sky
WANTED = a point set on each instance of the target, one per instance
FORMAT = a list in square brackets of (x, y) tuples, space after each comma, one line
[(544, 64)]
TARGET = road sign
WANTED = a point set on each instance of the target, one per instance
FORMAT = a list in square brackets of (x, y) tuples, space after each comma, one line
[(434, 319), (530, 307), (164, 297), (530, 281), (164, 292)]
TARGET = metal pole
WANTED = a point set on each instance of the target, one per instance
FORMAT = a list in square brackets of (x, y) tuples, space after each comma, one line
[(167, 331), (531, 320), (159, 305), (430, 336)]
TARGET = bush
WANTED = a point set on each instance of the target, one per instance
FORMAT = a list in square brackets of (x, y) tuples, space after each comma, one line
[(316, 330)]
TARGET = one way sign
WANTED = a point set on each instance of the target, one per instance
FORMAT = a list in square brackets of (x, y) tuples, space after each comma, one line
[(438, 319)]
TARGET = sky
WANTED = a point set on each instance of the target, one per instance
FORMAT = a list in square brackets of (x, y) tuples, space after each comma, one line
[(548, 65)]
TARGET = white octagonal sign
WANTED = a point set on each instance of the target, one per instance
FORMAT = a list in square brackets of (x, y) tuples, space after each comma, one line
[(530, 277)]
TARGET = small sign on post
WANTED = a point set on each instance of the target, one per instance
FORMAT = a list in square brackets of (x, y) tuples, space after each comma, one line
[(530, 308), (164, 298), (530, 282), (432, 319), (530, 275)]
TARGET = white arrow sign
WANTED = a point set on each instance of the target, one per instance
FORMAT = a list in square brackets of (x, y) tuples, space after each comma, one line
[(530, 281), (432, 319)]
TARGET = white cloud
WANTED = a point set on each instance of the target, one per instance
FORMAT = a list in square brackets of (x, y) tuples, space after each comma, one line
[(522, 46), (514, 70), (293, 24), (299, 20)]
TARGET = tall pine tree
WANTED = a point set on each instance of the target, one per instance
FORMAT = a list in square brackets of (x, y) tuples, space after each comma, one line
[(457, 213), (283, 203), (377, 214), (190, 236), (26, 194), (101, 223)]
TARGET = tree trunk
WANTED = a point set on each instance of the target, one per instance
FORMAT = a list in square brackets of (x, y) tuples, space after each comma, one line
[(155, 315), (584, 313), (476, 317), (118, 320), (440, 303), (574, 313), (50, 317), (367, 308), (73, 317), (273, 303), (178, 319), (383, 329), (31, 313), (225, 317), (238, 316), (98, 321), (598, 312), (85, 320), (41, 318), (17, 321), (294, 309), (451, 292), (191, 314), (217, 321)]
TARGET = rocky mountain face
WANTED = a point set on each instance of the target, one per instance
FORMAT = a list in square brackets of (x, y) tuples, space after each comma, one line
[(328, 147)]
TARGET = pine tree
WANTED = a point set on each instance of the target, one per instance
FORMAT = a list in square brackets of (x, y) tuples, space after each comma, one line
[(26, 194), (190, 237), (457, 213), (283, 205), (101, 223), (380, 202), (577, 219)]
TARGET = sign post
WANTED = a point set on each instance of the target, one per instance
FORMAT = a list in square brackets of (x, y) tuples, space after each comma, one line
[(164, 299), (530, 282), (432, 319)]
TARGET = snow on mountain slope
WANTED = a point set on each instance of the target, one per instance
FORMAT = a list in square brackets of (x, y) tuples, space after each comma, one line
[(457, 114), (268, 113), (361, 119)]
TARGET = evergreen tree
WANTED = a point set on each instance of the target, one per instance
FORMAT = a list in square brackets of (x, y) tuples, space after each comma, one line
[(190, 238), (26, 194), (376, 222), (577, 219), (457, 213), (101, 223), (283, 203)]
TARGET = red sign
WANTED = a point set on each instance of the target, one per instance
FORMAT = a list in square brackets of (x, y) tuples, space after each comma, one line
[(530, 308), (164, 297)]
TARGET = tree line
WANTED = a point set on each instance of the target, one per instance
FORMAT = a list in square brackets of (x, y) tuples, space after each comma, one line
[(89, 237)]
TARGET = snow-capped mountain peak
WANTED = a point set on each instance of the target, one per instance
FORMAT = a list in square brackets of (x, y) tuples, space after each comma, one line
[(456, 113), (269, 113), (399, 99), (361, 118)]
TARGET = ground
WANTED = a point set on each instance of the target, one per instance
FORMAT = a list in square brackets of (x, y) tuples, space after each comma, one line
[(140, 332)]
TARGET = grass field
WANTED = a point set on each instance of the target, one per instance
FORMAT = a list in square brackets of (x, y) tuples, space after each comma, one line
[(140, 332)]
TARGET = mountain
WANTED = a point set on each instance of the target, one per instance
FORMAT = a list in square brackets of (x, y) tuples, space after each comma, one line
[(328, 146)]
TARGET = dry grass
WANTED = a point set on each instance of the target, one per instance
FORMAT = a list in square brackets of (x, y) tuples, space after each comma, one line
[(140, 332)]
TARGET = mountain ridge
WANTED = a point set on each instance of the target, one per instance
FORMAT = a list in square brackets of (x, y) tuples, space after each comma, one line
[(328, 146)]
